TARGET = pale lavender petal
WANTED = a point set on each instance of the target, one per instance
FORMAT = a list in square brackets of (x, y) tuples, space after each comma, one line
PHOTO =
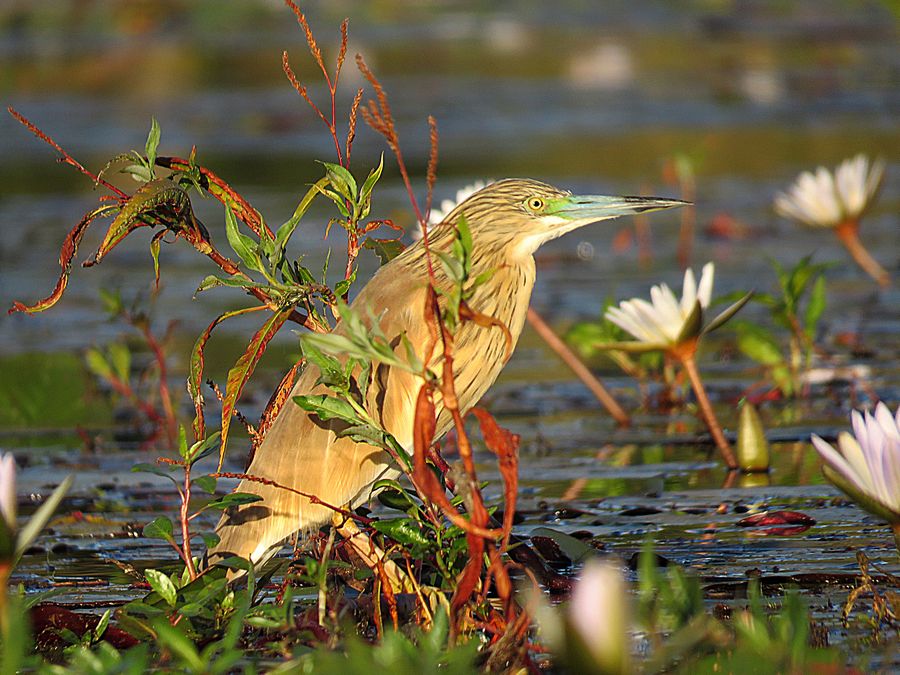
[(836, 461)]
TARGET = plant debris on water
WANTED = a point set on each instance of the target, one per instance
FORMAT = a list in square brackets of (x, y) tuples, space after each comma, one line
[(635, 561)]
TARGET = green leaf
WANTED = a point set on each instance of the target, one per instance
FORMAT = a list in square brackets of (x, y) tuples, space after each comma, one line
[(160, 528), (404, 531), (693, 324), (213, 281), (233, 499), (727, 314), (759, 345), (240, 243), (342, 287), (182, 442), (372, 178), (120, 358), (342, 180), (328, 408), (162, 584), (202, 448), (101, 626), (152, 142), (210, 539), (205, 483), (180, 645), (98, 364), (154, 253), (41, 517), (144, 467), (815, 307)]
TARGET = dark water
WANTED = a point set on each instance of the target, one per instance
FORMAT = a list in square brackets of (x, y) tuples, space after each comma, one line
[(593, 98)]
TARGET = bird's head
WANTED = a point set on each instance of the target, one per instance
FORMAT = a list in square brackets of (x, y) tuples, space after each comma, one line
[(523, 214)]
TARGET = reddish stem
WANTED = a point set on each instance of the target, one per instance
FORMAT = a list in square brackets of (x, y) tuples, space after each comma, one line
[(706, 409), (848, 233)]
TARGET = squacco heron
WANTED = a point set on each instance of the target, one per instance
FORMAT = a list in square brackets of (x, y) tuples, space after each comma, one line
[(508, 221)]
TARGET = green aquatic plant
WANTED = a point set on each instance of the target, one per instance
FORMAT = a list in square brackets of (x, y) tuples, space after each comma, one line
[(797, 308)]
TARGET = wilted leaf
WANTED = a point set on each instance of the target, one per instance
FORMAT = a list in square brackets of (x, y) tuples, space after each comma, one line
[(66, 254), (195, 376), (139, 211), (243, 369), (385, 249)]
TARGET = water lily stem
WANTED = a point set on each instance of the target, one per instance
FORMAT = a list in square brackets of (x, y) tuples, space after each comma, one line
[(706, 409), (848, 233)]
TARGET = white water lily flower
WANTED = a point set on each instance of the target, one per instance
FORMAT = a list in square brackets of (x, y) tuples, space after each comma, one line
[(869, 460), (662, 321), (824, 199), (8, 490)]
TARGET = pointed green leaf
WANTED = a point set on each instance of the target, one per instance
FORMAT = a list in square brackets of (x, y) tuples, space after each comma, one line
[(171, 638), (144, 467), (283, 234), (42, 516), (98, 364), (152, 142), (726, 314), (342, 180), (327, 408), (233, 499), (815, 307), (693, 324), (240, 243), (372, 179)]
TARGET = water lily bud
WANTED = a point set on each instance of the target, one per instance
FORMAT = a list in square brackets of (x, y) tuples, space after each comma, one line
[(752, 446), (597, 621)]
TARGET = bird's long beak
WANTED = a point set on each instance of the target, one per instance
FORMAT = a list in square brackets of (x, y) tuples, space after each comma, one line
[(588, 208)]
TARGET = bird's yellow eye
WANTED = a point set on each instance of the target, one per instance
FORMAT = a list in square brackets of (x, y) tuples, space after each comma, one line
[(535, 203)]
